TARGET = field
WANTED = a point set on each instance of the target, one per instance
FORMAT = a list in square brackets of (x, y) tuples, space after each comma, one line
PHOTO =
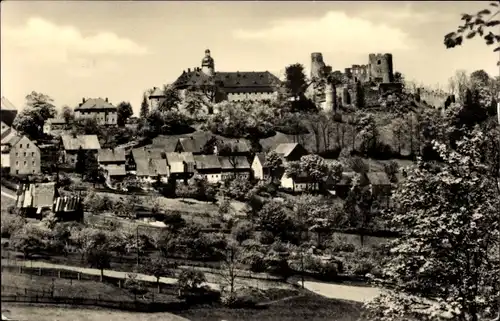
[(60, 313), (306, 307)]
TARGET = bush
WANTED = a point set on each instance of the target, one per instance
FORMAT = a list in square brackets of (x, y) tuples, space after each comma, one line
[(339, 244), (362, 267), (11, 223)]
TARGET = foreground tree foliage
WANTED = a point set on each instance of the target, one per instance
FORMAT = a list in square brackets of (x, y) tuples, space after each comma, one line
[(448, 260)]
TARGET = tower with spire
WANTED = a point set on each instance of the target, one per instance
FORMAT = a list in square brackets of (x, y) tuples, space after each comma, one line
[(207, 64)]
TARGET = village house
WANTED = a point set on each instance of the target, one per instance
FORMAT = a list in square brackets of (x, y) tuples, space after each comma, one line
[(259, 170), (54, 126), (99, 109), (112, 161), (234, 166), (32, 199), (149, 164), (156, 98), (298, 184), (195, 143), (231, 147), (72, 144), (290, 151), (180, 165), (208, 166), (167, 143), (19, 153), (141, 153)]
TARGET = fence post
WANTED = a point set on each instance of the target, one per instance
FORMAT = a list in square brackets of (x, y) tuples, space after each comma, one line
[(40, 271), (79, 276), (120, 284), (20, 269), (59, 274)]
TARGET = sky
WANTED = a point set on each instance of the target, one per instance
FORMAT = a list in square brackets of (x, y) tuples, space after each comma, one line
[(74, 49)]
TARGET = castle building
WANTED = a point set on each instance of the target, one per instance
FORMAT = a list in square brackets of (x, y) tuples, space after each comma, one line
[(232, 86), (331, 89)]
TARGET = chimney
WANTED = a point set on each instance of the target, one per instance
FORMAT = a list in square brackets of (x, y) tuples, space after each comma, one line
[(83, 100), (106, 99), (189, 69)]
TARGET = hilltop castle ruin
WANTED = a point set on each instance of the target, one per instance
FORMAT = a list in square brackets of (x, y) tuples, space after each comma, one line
[(331, 89)]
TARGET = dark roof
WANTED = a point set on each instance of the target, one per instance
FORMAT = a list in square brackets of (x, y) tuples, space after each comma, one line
[(302, 178), (261, 157), (111, 155), (239, 145), (87, 142), (168, 143), (147, 152), (95, 103), (195, 142), (179, 157), (151, 167), (67, 203), (285, 149), (207, 162), (230, 82), (232, 162)]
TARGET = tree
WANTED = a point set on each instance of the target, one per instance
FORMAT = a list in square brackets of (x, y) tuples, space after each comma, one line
[(134, 285), (229, 271), (275, 218), (295, 80), (100, 258), (171, 100), (39, 107), (124, 111), (314, 167), (68, 115), (87, 166), (31, 239), (274, 164), (399, 78), (452, 205), (400, 130), (368, 134), (190, 281), (480, 24), (158, 267), (144, 107), (87, 239), (242, 231)]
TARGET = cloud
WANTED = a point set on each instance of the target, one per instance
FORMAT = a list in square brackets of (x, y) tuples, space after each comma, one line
[(333, 32), (407, 14), (48, 42)]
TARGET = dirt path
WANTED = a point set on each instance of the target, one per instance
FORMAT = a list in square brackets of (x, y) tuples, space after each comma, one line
[(342, 292)]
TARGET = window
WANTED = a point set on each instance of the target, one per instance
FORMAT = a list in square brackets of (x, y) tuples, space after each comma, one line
[(24, 154), (24, 163), (33, 163), (33, 154), (20, 145), (28, 146), (17, 171), (33, 171), (378, 62), (17, 163), (17, 154)]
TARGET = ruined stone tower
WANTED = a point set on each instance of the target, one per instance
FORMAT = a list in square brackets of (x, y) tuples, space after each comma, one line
[(208, 64), (330, 96), (317, 65), (380, 68)]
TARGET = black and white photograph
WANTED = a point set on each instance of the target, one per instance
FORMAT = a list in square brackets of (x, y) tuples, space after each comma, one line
[(250, 160)]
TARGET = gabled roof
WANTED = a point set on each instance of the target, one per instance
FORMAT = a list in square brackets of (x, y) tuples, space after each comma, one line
[(111, 155), (207, 162), (7, 105), (35, 195), (236, 145), (116, 170), (7, 133), (86, 142), (285, 149), (234, 162), (152, 167), (168, 143), (378, 178), (261, 157), (180, 157), (148, 152), (157, 92), (67, 203), (195, 142), (95, 103), (270, 143)]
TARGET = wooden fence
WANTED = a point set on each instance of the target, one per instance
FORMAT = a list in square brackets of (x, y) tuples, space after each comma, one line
[(138, 306)]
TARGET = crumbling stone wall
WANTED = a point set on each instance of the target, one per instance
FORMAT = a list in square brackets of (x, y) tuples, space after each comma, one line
[(380, 68)]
